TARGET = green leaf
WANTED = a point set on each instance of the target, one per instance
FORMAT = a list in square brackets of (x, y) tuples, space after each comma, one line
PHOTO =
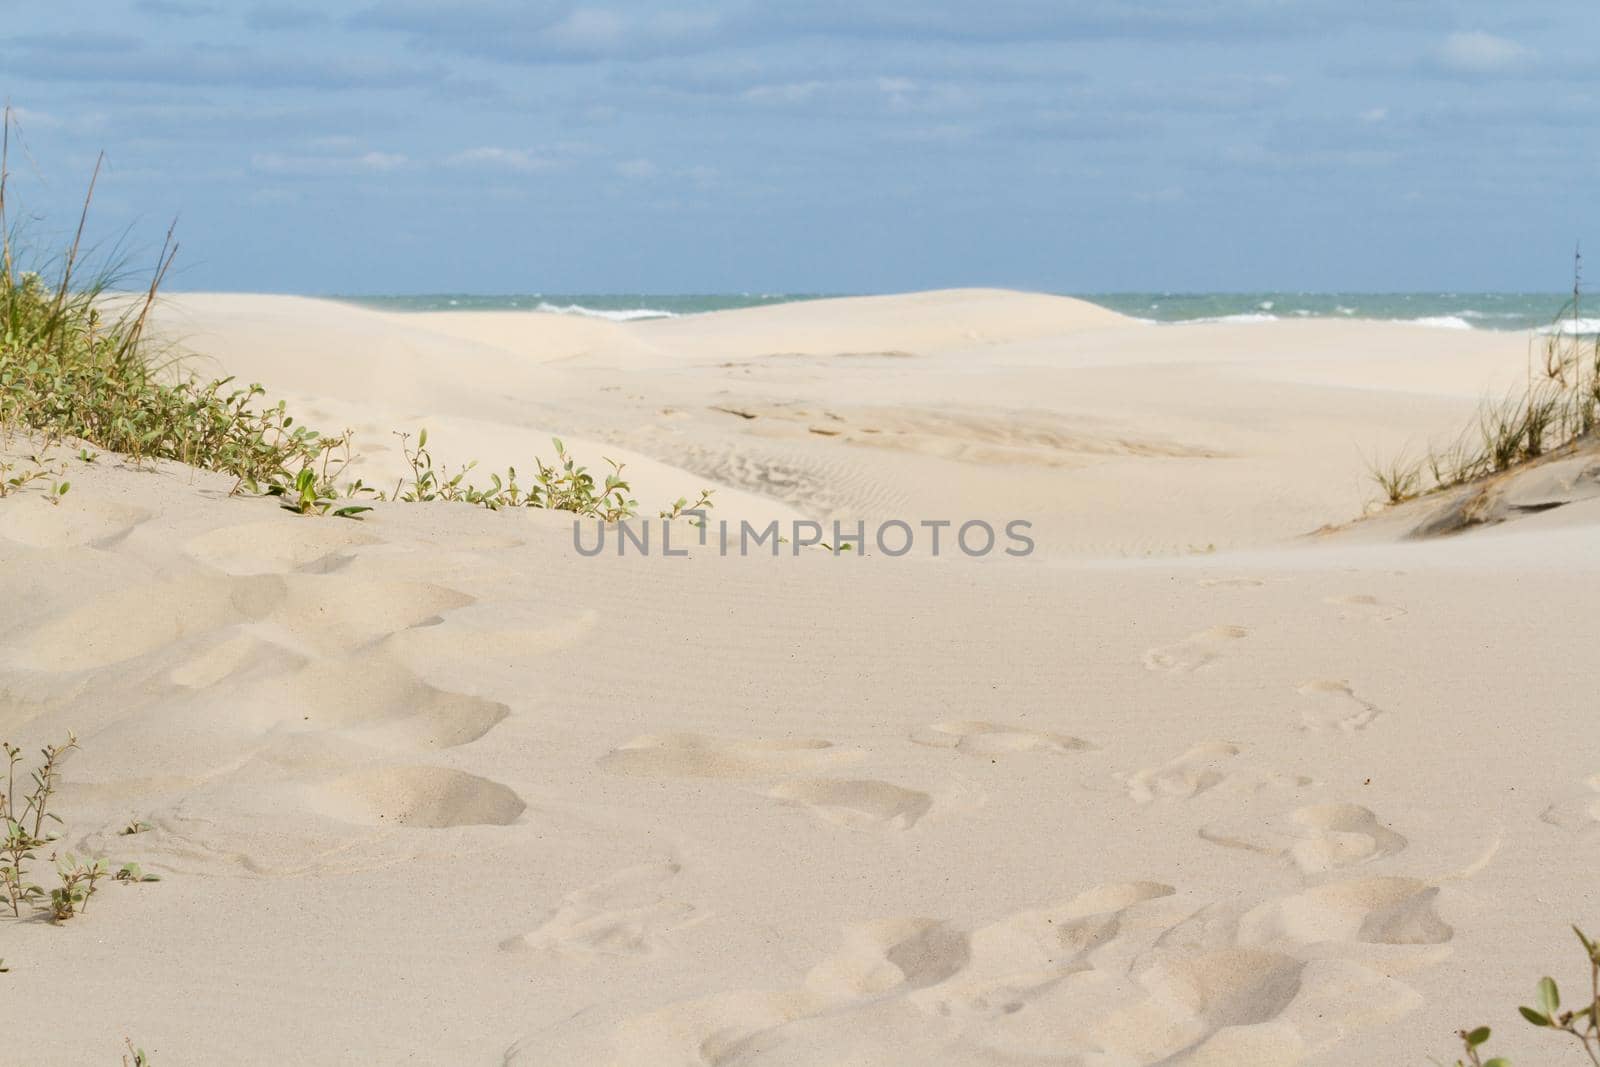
[(1534, 1017), (1478, 1037), (1498, 1061), (1549, 995)]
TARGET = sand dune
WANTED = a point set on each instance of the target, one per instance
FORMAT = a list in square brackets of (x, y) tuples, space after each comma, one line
[(1184, 786), (1121, 437), (901, 325)]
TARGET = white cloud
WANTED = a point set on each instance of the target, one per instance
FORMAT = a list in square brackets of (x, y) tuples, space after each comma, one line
[(364, 163), (1476, 52), (598, 32), (39, 120), (1375, 114), (516, 159), (637, 168), (789, 93), (589, 30)]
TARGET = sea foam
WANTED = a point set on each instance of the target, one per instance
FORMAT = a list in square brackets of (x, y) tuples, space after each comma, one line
[(1572, 327), (611, 315), (1445, 322)]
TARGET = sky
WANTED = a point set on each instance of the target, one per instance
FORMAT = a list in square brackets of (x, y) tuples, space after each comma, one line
[(497, 146)]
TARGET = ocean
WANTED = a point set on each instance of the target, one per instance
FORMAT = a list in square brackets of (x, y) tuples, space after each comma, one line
[(1458, 311)]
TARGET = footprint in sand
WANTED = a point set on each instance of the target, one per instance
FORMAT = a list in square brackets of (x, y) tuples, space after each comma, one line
[(353, 611), (686, 755), (1329, 704), (1132, 973), (1201, 769), (993, 739), (1197, 770), (1580, 813), (369, 697), (432, 798), (1137, 974), (74, 523), (277, 547), (240, 655), (879, 963), (96, 632), (628, 914), (889, 954), (1341, 835), (1017, 962), (1359, 606), (1375, 911), (1195, 651), (856, 803), (323, 614), (1317, 838)]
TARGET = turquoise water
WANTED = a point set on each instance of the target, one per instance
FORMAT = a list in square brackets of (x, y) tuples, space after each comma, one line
[(1461, 311), (619, 307)]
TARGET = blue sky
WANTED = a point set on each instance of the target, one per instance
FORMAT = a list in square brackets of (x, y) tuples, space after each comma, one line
[(820, 145)]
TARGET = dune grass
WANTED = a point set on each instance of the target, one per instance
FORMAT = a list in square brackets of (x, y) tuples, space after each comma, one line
[(1558, 406), (76, 364)]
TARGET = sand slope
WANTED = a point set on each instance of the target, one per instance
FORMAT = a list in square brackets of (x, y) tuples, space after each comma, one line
[(440, 791), (1116, 437)]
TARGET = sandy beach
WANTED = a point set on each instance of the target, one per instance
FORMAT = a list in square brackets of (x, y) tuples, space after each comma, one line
[(1236, 767)]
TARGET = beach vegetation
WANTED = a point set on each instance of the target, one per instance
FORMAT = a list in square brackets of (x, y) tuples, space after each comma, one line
[(563, 485), (1557, 406), (1399, 478), (1581, 1023), (27, 823), (77, 364)]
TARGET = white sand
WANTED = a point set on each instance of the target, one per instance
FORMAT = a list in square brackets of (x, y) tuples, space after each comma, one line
[(1185, 786)]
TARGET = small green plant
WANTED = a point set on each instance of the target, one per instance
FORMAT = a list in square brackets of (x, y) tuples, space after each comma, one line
[(131, 872), (134, 1057), (681, 505), (78, 878), (13, 478), (563, 485), (1471, 1039), (24, 817), (1582, 1024), (568, 487), (426, 483), (306, 495)]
